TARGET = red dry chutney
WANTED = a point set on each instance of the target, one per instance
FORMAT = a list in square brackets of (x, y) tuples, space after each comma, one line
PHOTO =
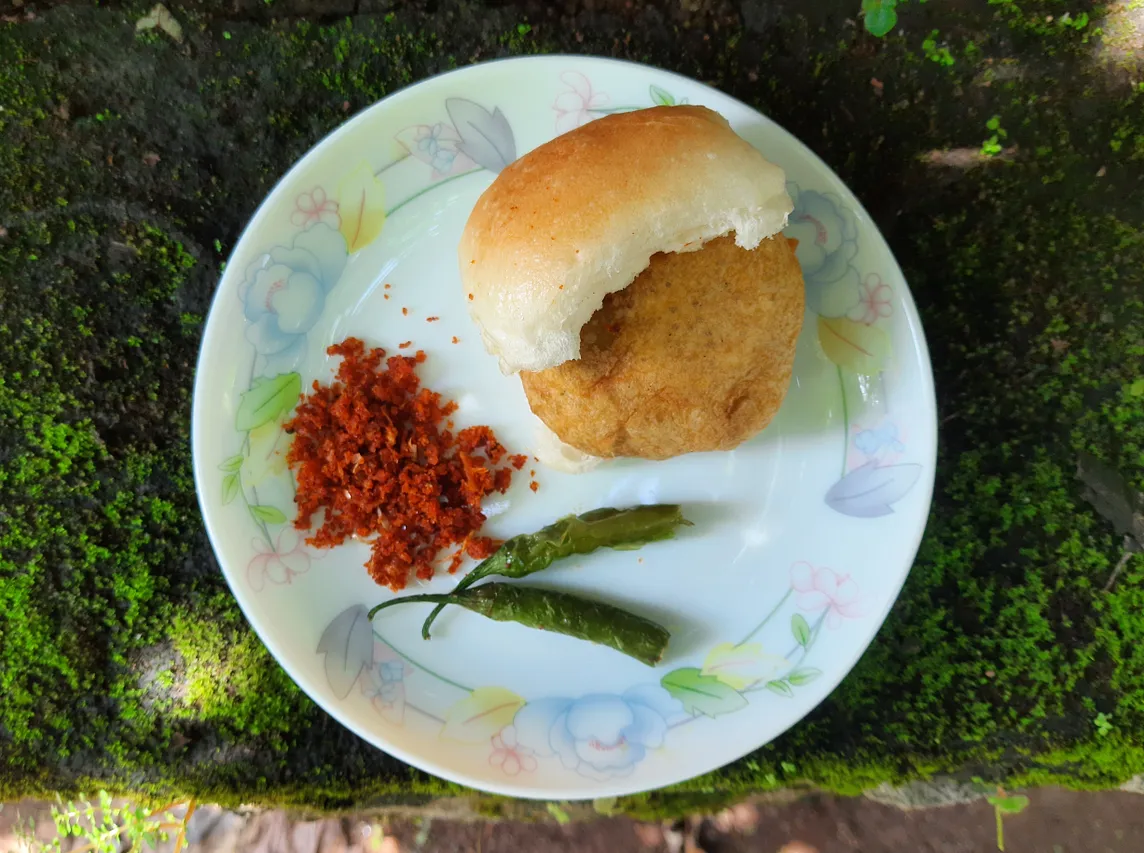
[(370, 454)]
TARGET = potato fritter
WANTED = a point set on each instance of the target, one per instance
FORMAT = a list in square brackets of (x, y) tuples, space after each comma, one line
[(696, 354)]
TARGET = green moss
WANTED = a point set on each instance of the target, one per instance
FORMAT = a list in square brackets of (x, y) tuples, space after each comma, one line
[(491, 808), (665, 805), (229, 680)]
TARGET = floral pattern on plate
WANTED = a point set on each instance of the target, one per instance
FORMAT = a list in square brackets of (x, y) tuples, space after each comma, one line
[(283, 294), (600, 735), (284, 290), (852, 312)]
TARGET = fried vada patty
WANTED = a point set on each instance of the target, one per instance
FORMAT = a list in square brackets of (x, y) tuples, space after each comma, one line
[(696, 354)]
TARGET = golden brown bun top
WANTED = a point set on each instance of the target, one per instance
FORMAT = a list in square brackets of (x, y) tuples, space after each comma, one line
[(580, 217)]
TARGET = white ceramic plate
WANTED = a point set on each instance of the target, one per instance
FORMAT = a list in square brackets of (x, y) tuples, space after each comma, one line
[(803, 536)]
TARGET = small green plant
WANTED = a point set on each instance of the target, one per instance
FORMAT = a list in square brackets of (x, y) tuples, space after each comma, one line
[(86, 827), (940, 55), (879, 16), (1004, 804), (992, 146), (1103, 723)]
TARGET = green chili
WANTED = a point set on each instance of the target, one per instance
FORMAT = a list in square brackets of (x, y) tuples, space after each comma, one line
[(560, 612), (621, 529)]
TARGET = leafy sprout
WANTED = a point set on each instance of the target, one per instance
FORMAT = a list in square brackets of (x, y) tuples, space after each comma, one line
[(104, 827), (1103, 723), (992, 146), (879, 16)]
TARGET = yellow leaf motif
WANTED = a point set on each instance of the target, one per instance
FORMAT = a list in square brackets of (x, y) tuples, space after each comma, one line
[(266, 456), (853, 346), (741, 666), (361, 206), (485, 712)]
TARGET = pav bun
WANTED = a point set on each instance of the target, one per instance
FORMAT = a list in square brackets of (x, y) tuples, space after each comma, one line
[(581, 217)]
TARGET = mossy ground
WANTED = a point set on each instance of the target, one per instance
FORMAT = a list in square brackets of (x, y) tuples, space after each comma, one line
[(124, 663)]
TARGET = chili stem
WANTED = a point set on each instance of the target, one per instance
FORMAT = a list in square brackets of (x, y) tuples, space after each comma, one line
[(426, 598), (466, 582)]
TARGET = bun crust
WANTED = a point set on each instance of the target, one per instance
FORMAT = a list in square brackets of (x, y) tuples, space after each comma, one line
[(695, 355), (581, 216)]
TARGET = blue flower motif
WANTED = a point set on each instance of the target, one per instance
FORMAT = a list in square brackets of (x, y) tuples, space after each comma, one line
[(871, 441), (827, 234), (285, 289), (383, 683), (391, 671), (443, 159), (429, 139), (601, 735), (439, 150)]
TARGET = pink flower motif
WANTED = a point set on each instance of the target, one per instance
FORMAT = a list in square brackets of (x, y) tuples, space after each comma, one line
[(279, 564), (823, 589), (579, 104), (313, 207), (509, 755), (873, 302)]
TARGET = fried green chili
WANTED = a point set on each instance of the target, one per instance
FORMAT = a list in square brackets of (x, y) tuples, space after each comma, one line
[(621, 529), (560, 612)]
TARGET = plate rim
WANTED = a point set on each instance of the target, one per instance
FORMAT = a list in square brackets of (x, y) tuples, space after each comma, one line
[(612, 786)]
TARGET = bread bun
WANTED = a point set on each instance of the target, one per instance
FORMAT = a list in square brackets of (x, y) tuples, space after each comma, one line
[(581, 216), (695, 355)]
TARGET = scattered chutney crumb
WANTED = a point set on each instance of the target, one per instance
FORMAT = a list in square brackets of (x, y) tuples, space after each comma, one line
[(388, 285), (405, 345), (368, 452), (386, 295), (456, 340), (534, 485), (432, 319), (405, 311), (532, 473), (470, 297), (518, 461), (449, 424)]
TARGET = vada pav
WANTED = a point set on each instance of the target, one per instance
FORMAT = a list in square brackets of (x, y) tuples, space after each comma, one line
[(632, 272)]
